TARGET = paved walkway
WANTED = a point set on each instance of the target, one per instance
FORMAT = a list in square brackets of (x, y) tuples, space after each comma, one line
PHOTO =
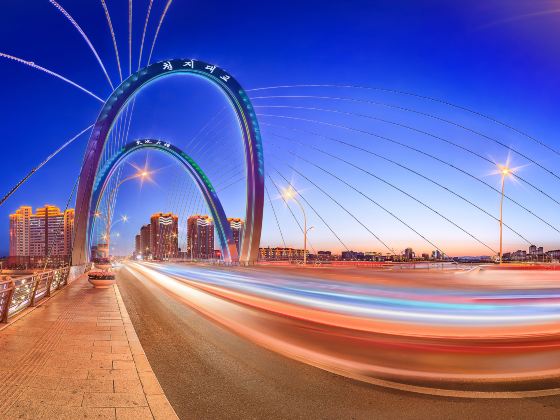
[(78, 356)]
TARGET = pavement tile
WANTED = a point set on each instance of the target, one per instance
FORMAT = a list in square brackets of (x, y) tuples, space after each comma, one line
[(136, 348), (121, 349), (86, 355), (128, 385), (114, 328), (25, 410), (114, 400), (150, 384), (109, 323), (86, 385), (142, 363), (102, 328), (43, 382), (64, 372), (83, 364), (136, 413), (51, 397), (100, 349), (72, 413), (111, 356), (113, 374), (122, 342), (161, 409), (124, 364)]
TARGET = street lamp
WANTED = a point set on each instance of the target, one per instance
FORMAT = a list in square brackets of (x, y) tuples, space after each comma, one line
[(143, 174), (291, 194), (504, 171)]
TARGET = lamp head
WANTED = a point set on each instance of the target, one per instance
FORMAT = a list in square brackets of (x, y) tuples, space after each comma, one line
[(289, 193), (505, 170)]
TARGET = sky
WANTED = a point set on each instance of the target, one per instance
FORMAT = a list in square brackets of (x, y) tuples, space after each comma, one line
[(498, 58)]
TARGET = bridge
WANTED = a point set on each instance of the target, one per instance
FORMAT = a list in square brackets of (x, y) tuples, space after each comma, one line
[(277, 325)]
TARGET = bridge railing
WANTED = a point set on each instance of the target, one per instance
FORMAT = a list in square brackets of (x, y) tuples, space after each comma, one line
[(22, 292)]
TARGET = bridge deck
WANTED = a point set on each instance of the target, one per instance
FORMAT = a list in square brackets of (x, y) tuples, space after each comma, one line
[(78, 356)]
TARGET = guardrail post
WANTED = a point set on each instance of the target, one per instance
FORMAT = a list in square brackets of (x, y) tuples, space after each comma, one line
[(4, 314), (36, 280), (50, 278)]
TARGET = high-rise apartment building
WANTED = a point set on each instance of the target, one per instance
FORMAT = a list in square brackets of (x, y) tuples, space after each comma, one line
[(19, 231), (69, 216), (145, 241), (236, 225), (164, 235), (408, 254), (200, 237), (46, 233)]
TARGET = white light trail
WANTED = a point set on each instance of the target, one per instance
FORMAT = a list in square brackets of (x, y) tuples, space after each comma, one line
[(43, 163), (110, 23), (85, 37), (129, 37), (144, 33), (52, 73), (158, 28)]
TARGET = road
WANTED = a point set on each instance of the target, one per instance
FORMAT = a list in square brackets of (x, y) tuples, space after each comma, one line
[(208, 372)]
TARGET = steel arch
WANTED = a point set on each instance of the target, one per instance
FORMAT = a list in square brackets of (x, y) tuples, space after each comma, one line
[(114, 105), (223, 229)]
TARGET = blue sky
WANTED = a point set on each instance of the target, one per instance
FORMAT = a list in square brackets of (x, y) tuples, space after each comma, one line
[(499, 58)]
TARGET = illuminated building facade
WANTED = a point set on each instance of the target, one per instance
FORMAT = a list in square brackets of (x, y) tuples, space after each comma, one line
[(236, 225), (47, 233), (145, 241), (164, 236), (19, 231), (200, 237), (280, 254)]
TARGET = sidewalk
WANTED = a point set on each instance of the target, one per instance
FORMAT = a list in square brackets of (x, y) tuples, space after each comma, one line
[(78, 356)]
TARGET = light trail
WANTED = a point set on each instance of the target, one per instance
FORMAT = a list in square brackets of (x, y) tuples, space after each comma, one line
[(158, 28), (110, 23), (52, 73), (445, 334), (85, 37), (43, 163), (129, 37), (144, 33)]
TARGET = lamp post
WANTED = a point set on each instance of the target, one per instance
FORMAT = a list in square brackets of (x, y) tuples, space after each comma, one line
[(112, 194), (504, 171), (291, 194)]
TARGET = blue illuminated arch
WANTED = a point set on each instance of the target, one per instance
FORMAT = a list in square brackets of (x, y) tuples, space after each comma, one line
[(223, 229), (250, 132)]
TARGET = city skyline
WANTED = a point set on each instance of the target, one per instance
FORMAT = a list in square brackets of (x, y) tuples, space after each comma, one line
[(441, 74), (236, 225)]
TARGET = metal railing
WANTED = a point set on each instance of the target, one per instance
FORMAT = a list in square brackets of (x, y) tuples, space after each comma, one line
[(20, 293)]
